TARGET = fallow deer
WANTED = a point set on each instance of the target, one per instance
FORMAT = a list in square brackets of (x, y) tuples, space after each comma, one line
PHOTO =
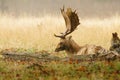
[(115, 43), (67, 43)]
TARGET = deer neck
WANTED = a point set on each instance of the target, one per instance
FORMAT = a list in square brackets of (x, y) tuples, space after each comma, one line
[(73, 47)]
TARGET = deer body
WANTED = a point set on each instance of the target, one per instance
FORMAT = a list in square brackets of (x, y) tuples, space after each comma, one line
[(72, 48)]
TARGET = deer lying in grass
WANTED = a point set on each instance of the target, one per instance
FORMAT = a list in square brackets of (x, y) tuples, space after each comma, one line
[(115, 43), (67, 43)]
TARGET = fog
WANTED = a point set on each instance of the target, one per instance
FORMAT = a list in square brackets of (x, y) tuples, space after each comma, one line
[(85, 8)]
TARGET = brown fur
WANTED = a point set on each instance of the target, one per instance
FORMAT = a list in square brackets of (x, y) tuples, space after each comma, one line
[(68, 45), (115, 43), (72, 48)]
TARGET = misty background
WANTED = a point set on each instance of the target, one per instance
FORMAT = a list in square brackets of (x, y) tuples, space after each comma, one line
[(85, 8)]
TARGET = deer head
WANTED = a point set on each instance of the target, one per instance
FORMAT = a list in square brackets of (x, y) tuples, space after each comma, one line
[(115, 42), (64, 44), (71, 21), (115, 35), (115, 39)]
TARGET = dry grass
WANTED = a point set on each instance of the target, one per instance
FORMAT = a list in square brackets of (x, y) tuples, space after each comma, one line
[(37, 32)]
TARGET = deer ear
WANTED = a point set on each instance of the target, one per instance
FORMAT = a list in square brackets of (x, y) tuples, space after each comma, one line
[(113, 34), (70, 37), (116, 33)]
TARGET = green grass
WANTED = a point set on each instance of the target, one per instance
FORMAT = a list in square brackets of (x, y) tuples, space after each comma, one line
[(60, 71)]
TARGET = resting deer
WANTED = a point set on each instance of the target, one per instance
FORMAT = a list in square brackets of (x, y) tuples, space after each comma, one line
[(115, 43), (67, 43)]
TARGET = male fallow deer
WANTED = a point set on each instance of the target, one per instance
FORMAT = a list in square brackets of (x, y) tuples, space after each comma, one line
[(67, 43)]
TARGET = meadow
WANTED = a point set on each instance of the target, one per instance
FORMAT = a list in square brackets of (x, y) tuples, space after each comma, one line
[(37, 34)]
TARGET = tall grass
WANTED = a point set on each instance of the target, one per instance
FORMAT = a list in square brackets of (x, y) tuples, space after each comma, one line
[(37, 32)]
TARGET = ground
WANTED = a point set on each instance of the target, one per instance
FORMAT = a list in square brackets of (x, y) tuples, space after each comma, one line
[(11, 69)]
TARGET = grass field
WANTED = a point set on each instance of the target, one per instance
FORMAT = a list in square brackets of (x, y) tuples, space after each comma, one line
[(102, 70), (36, 33)]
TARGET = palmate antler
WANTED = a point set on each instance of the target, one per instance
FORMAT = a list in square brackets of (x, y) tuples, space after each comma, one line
[(71, 21)]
